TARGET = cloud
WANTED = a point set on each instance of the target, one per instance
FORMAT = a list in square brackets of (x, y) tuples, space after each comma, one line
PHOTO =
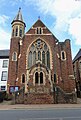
[(66, 12), (4, 34), (5, 39), (15, 2), (75, 29), (3, 19)]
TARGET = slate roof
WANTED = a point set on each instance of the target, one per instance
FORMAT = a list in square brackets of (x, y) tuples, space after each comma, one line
[(4, 53), (19, 17), (78, 55)]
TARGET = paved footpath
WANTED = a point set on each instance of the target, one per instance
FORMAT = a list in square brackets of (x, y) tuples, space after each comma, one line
[(7, 105), (43, 106)]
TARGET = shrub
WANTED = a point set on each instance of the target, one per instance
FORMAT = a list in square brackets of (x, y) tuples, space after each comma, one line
[(2, 95)]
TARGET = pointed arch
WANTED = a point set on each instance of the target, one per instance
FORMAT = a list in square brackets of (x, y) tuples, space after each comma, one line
[(36, 77), (14, 56), (44, 46), (23, 78), (41, 78)]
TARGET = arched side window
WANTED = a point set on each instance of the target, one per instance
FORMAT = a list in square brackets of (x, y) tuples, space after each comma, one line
[(41, 78), (36, 78), (23, 78), (80, 65), (20, 32), (63, 55), (14, 56), (16, 32), (39, 30), (30, 59), (13, 33)]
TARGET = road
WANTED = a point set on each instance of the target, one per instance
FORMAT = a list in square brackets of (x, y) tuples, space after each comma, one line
[(41, 114)]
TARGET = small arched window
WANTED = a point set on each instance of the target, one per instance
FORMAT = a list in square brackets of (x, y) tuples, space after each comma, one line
[(63, 55), (14, 56), (36, 77), (13, 33), (23, 78), (16, 32), (20, 32), (55, 78), (39, 30), (41, 78)]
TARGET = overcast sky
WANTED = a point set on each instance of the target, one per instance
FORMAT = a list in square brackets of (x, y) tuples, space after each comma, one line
[(62, 17)]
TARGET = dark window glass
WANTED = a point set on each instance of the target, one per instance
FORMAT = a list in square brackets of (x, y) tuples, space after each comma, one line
[(37, 31), (13, 33), (36, 77), (20, 33), (54, 77), (16, 33), (63, 55), (23, 78), (40, 31), (3, 88), (41, 78)]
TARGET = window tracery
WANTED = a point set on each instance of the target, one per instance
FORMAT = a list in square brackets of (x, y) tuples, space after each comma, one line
[(39, 52)]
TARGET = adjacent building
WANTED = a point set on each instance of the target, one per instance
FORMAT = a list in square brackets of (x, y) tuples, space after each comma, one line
[(4, 60), (77, 72), (39, 63)]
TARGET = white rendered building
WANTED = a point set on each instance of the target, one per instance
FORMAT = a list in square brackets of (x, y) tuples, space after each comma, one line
[(4, 60)]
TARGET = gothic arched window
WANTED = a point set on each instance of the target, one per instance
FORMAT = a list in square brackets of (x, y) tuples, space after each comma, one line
[(16, 32), (41, 78), (20, 32), (39, 52), (63, 55), (23, 78), (13, 33), (36, 77), (14, 56)]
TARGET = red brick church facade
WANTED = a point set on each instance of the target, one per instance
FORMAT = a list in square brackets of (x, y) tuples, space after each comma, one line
[(38, 61)]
